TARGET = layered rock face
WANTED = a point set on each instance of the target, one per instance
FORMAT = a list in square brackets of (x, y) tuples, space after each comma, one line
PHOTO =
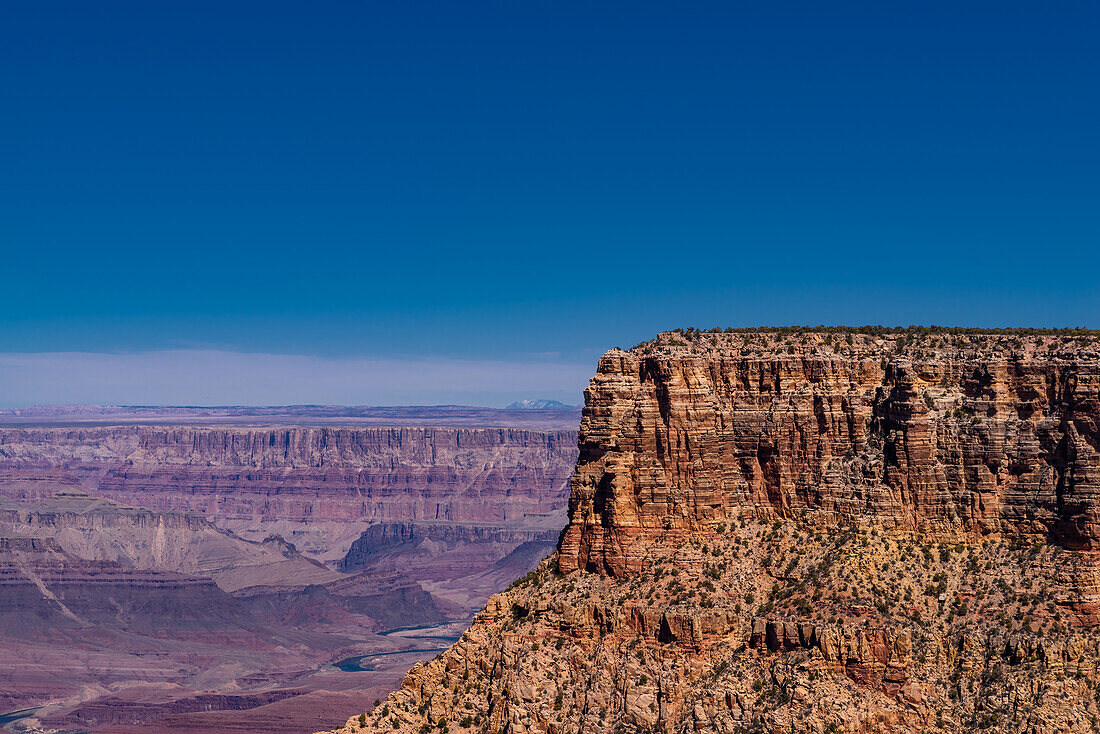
[(99, 529), (256, 518), (92, 601), (46, 588), (987, 438), (806, 532), (69, 624), (462, 564), (438, 551), (316, 487)]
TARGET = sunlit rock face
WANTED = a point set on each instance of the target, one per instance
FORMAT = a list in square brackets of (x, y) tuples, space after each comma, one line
[(802, 531), (992, 438)]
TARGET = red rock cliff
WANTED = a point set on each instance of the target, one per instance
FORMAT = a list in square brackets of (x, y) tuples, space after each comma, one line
[(989, 434), (805, 532)]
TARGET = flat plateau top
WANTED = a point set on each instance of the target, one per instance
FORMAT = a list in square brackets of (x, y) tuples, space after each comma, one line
[(876, 342)]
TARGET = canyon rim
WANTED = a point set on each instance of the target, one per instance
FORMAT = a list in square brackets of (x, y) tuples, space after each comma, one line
[(310, 419), (805, 531)]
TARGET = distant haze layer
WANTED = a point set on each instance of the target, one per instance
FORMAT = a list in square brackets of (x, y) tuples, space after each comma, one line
[(210, 377)]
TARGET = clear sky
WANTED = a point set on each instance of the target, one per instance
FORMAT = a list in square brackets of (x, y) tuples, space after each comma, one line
[(441, 186)]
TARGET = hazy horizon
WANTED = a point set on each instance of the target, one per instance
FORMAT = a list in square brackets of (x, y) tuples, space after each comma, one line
[(209, 377)]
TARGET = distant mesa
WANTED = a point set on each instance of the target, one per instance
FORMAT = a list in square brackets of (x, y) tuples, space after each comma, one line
[(540, 405)]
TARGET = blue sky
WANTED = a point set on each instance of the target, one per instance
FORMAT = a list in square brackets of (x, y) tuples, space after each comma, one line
[(524, 184)]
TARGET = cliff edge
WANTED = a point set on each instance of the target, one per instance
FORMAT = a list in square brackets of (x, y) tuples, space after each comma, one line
[(806, 531), (971, 433)]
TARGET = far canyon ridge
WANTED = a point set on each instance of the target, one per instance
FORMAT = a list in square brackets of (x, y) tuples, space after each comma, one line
[(220, 569), (806, 531)]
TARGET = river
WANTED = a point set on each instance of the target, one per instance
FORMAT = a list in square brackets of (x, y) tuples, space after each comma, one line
[(446, 634), (6, 720)]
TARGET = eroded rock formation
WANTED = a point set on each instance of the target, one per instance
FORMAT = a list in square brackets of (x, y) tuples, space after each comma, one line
[(806, 532), (254, 519), (318, 488), (990, 439)]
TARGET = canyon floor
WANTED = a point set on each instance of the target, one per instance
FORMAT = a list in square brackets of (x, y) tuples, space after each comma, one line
[(235, 569)]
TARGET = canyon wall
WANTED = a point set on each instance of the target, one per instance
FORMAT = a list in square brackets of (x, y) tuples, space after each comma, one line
[(245, 530), (69, 626), (438, 551), (94, 528), (997, 439), (805, 531), (318, 488)]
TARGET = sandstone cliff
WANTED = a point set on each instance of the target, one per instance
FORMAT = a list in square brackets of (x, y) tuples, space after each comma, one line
[(990, 435), (806, 532)]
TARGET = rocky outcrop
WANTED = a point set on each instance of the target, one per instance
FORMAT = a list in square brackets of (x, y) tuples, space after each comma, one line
[(804, 531), (879, 658), (437, 550), (994, 436)]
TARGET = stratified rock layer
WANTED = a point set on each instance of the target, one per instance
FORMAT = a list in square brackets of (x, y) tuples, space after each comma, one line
[(984, 439), (440, 550), (318, 488), (257, 505), (805, 532)]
